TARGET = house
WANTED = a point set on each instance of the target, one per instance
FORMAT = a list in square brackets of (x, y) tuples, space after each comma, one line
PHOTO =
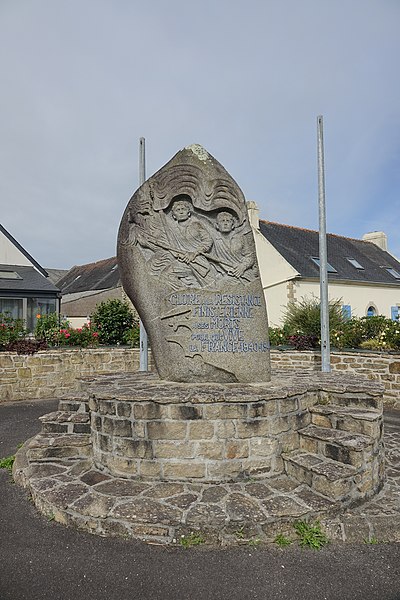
[(84, 287), (25, 288), (362, 274)]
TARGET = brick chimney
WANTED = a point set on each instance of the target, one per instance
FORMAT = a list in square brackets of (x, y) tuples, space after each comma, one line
[(253, 213), (379, 238)]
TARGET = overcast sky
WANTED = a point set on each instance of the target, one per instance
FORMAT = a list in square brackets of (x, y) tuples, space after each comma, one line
[(83, 80)]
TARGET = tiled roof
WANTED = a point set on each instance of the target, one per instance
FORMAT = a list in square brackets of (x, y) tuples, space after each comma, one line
[(100, 275), (28, 280), (298, 246)]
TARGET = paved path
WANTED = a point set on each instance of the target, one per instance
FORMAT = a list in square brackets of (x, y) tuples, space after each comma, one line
[(42, 560)]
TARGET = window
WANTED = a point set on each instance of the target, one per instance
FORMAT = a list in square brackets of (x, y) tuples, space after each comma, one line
[(13, 307), (394, 313), (329, 267), (39, 306), (393, 272), (355, 263), (346, 311), (9, 275), (371, 311)]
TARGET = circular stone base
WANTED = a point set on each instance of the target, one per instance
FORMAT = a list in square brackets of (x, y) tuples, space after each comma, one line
[(328, 470)]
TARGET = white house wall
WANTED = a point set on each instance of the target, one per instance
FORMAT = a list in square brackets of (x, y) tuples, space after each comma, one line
[(359, 297), (276, 274), (10, 255)]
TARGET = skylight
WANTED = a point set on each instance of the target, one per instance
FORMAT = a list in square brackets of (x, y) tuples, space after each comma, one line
[(330, 269), (355, 263), (9, 275), (393, 272)]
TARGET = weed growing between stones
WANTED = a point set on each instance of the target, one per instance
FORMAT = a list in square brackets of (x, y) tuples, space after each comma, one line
[(192, 539), (310, 535), (372, 540), (7, 463), (282, 541), (254, 542)]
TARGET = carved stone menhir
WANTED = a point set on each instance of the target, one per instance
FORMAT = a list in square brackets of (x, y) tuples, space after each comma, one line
[(188, 263)]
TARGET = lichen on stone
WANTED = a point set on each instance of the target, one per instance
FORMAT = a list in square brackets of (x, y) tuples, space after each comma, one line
[(199, 151)]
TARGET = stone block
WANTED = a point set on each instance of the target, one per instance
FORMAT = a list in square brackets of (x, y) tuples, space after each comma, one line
[(186, 412), (237, 449), (287, 405), (106, 407), (210, 450), (149, 411), (257, 466), (266, 408), (263, 447), (149, 469), (124, 409), (252, 428), (118, 465), (174, 449), (335, 489), (122, 428), (225, 411), (133, 448), (224, 430), (200, 430), (226, 470), (321, 420), (166, 430), (278, 425), (184, 470)]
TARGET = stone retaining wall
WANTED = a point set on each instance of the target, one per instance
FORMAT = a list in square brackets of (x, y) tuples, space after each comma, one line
[(53, 373), (381, 367)]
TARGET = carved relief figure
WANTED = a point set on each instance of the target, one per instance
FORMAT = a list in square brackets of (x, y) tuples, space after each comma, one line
[(233, 249), (179, 242)]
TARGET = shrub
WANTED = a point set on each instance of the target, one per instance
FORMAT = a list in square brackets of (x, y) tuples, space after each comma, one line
[(11, 330), (114, 321), (278, 336), (304, 318), (372, 333), (48, 328)]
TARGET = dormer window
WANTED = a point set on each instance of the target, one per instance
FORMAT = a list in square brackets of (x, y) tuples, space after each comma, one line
[(9, 275), (330, 269), (393, 272), (355, 263)]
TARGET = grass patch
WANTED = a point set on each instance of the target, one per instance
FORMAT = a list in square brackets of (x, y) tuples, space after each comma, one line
[(7, 463), (192, 539), (310, 535), (282, 540)]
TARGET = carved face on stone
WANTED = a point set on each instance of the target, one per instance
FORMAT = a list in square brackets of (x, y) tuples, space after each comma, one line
[(225, 222), (181, 210)]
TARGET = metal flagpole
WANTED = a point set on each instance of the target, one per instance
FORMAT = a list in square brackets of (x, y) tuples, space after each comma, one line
[(143, 334), (323, 261)]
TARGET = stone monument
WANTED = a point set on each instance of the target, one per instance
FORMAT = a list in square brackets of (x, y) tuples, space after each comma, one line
[(214, 443), (188, 263)]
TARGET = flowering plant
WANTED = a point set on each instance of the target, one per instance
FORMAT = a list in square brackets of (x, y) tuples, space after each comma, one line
[(11, 330)]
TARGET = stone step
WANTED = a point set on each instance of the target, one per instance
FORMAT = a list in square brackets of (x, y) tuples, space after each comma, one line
[(349, 399), (330, 478), (63, 421), (348, 418), (342, 446), (50, 446), (75, 404)]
